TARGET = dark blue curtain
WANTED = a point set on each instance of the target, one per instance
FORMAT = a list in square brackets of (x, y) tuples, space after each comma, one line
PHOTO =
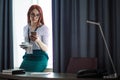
[(6, 35), (73, 37)]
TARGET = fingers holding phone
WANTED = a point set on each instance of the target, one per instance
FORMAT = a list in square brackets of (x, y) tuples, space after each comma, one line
[(33, 36)]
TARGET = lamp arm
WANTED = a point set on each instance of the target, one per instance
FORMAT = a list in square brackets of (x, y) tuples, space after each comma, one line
[(108, 51)]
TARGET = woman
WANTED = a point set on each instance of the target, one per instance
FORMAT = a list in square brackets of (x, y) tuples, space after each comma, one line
[(36, 33)]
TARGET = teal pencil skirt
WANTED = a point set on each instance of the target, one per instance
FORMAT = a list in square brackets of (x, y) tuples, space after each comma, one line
[(36, 62)]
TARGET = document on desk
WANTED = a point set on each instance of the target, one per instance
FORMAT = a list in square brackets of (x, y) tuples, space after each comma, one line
[(40, 73)]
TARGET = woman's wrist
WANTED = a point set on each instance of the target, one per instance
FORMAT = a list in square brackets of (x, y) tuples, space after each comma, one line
[(38, 40)]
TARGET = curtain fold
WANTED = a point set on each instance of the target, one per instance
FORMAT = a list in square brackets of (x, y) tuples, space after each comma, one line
[(73, 37), (6, 34)]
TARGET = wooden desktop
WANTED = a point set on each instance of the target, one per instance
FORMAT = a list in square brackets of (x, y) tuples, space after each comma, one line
[(49, 76)]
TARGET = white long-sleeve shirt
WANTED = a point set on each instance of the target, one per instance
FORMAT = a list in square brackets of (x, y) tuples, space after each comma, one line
[(42, 32)]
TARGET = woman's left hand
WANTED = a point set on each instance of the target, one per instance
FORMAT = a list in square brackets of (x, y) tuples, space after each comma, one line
[(33, 37)]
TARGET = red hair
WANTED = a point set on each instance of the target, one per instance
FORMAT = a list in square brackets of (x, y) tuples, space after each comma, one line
[(40, 20)]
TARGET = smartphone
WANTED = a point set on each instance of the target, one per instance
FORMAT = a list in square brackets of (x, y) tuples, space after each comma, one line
[(33, 33)]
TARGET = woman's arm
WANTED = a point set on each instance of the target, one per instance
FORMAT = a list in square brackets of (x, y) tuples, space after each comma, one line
[(43, 46), (41, 37)]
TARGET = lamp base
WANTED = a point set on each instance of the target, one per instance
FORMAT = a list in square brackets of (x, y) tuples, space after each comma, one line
[(111, 76)]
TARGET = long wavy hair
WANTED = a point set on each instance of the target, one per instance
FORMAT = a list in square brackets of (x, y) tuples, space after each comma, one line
[(40, 20)]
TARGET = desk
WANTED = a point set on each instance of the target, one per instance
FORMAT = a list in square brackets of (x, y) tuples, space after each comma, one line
[(50, 76)]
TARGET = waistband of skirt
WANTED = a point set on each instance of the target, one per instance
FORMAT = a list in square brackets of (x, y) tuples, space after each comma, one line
[(37, 54)]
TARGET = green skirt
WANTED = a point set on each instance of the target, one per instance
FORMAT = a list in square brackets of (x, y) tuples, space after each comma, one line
[(36, 62)]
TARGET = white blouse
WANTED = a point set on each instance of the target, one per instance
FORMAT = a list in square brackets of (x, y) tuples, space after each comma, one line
[(42, 32)]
